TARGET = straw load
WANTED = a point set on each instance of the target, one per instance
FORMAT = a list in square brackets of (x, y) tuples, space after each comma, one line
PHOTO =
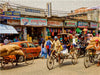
[(10, 50), (92, 42)]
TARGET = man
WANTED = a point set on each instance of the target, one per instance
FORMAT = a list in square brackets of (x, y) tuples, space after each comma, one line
[(56, 44), (48, 46), (6, 41)]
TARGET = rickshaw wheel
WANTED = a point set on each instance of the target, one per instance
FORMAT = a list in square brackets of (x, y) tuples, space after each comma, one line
[(86, 61), (50, 63), (74, 58), (29, 59), (2, 63)]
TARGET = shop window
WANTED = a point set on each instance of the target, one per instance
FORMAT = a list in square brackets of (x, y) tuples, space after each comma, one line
[(31, 45), (23, 45)]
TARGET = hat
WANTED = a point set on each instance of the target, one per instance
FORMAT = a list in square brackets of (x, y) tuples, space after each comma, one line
[(55, 37)]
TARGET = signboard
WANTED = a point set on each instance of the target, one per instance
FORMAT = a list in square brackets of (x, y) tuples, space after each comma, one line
[(93, 25), (71, 23), (13, 22), (10, 15), (83, 24), (31, 11), (49, 9), (33, 21), (55, 23)]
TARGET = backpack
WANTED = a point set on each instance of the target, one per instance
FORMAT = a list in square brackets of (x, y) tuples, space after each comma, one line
[(48, 44)]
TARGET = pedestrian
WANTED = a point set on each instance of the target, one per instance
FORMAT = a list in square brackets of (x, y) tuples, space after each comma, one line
[(43, 50), (16, 39), (48, 46), (6, 41)]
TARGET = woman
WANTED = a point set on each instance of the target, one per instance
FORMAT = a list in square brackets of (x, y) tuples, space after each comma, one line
[(43, 50)]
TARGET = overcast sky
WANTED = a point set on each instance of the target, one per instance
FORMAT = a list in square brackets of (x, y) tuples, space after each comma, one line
[(62, 5)]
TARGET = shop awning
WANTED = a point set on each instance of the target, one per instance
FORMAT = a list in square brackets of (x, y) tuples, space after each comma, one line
[(6, 29)]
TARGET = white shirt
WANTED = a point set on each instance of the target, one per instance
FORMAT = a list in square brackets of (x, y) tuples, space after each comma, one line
[(6, 41)]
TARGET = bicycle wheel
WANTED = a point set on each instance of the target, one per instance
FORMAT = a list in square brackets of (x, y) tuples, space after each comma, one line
[(74, 58), (86, 61), (29, 58), (50, 62), (2, 63)]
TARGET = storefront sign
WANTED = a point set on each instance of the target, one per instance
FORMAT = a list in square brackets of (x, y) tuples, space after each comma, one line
[(83, 24), (93, 25), (55, 23), (31, 11), (71, 23), (13, 22), (10, 15), (34, 21)]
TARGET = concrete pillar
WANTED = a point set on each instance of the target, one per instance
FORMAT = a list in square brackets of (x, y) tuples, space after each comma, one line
[(44, 33), (62, 29), (25, 33)]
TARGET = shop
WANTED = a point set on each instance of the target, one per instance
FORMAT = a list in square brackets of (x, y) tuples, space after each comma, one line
[(93, 28), (12, 18), (54, 28), (6, 31), (70, 26), (35, 28)]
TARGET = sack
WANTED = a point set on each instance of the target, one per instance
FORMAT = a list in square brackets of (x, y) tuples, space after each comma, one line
[(17, 52), (3, 54), (89, 46), (2, 49), (92, 43), (16, 47)]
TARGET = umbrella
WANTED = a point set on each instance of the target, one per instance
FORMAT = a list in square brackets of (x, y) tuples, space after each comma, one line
[(78, 30)]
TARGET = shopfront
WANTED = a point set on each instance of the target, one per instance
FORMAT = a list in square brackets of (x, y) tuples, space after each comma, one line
[(54, 28), (93, 28), (35, 28), (11, 18), (70, 26)]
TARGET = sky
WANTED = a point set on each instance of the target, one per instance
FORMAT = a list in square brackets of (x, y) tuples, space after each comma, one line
[(61, 5)]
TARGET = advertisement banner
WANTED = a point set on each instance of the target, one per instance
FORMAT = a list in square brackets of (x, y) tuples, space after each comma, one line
[(71, 23), (93, 25), (83, 24), (33, 21), (55, 23)]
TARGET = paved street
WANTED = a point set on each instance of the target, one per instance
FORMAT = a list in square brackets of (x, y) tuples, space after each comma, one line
[(39, 68)]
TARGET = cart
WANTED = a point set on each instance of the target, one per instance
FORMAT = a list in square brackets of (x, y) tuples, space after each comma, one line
[(28, 58)]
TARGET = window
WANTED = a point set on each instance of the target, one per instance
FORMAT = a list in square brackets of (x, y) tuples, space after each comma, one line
[(23, 45), (31, 45)]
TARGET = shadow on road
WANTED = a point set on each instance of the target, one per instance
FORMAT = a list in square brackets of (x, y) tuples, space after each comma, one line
[(9, 67)]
